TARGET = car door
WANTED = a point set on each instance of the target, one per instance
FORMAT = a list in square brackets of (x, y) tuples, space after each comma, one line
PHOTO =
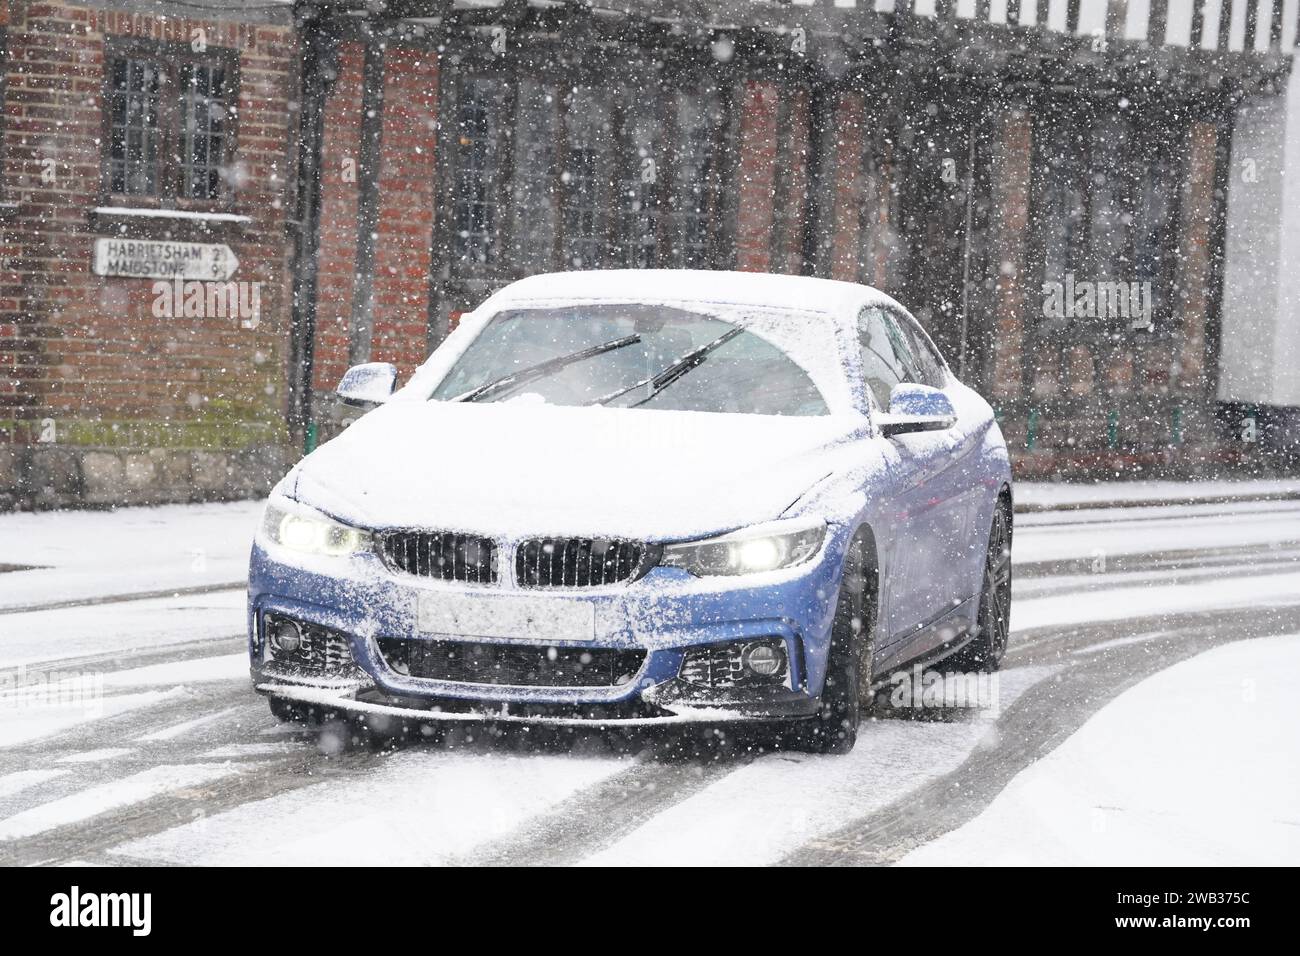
[(968, 487), (925, 510)]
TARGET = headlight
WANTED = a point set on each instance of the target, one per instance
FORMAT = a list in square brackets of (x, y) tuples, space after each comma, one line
[(765, 548), (300, 528)]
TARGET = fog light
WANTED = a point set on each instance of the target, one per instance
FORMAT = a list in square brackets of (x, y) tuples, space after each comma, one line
[(765, 660), (285, 637)]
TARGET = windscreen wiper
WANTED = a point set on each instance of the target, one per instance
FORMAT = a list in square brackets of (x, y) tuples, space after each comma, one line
[(661, 380), (541, 369)]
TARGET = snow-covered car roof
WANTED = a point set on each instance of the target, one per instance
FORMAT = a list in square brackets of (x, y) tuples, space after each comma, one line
[(802, 293)]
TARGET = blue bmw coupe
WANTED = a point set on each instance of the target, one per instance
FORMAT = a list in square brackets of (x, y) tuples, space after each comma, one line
[(642, 498)]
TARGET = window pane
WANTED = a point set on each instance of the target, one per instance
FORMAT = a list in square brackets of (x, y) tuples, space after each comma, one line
[(535, 175), (695, 182), (204, 107), (133, 94), (926, 358), (638, 201), (886, 355), (477, 178), (589, 138)]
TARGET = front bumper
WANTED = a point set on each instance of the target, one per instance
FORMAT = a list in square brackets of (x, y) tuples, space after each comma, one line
[(664, 614)]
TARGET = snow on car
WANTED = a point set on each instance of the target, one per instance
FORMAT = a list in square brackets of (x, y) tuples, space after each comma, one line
[(642, 498)]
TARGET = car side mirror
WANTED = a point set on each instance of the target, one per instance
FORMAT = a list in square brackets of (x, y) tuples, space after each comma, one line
[(369, 384), (917, 408)]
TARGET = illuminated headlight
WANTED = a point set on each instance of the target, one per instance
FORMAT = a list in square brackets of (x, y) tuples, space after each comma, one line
[(304, 529), (782, 544)]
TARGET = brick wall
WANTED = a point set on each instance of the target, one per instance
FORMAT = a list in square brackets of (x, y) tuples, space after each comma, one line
[(337, 259), (407, 189), (756, 175), (1134, 405), (845, 162), (407, 184), (100, 400)]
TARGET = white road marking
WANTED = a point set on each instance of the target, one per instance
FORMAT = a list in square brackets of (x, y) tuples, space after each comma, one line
[(21, 780), (195, 671), (268, 749), (20, 723), (111, 796), (418, 807), (179, 730), (96, 756)]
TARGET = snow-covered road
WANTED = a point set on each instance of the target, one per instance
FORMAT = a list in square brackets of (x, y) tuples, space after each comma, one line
[(128, 732)]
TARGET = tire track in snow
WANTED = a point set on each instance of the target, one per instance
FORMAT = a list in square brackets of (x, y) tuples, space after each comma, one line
[(248, 782), (596, 818), (1037, 724)]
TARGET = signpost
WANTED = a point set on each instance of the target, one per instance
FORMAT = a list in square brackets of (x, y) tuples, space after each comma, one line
[(155, 259)]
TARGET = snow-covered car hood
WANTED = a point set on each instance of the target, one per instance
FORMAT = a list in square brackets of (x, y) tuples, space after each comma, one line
[(514, 469)]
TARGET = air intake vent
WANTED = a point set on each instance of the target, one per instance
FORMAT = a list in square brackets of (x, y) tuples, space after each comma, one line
[(309, 648), (518, 665), (578, 562), (443, 555)]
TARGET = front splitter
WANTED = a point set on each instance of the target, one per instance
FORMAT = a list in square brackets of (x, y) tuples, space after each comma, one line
[(344, 699)]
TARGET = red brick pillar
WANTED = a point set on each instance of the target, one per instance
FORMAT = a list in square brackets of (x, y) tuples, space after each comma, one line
[(844, 165), (756, 176), (340, 162), (1192, 278), (793, 143), (407, 193)]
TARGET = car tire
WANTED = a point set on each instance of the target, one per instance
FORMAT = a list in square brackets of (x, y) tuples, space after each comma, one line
[(984, 652), (846, 695), (287, 711)]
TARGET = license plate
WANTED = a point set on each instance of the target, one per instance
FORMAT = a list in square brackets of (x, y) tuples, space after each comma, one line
[(509, 616)]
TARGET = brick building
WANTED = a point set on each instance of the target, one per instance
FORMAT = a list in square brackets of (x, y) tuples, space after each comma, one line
[(961, 156), (405, 158), (130, 131)]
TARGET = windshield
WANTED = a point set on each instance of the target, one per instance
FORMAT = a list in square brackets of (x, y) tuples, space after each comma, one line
[(642, 356)]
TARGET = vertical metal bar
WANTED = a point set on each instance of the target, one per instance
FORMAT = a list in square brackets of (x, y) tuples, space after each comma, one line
[(1198, 24), (1225, 23), (1252, 25), (1116, 19), (1158, 22)]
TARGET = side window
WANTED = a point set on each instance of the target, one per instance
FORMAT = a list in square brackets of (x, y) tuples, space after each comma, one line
[(886, 356), (928, 363)]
